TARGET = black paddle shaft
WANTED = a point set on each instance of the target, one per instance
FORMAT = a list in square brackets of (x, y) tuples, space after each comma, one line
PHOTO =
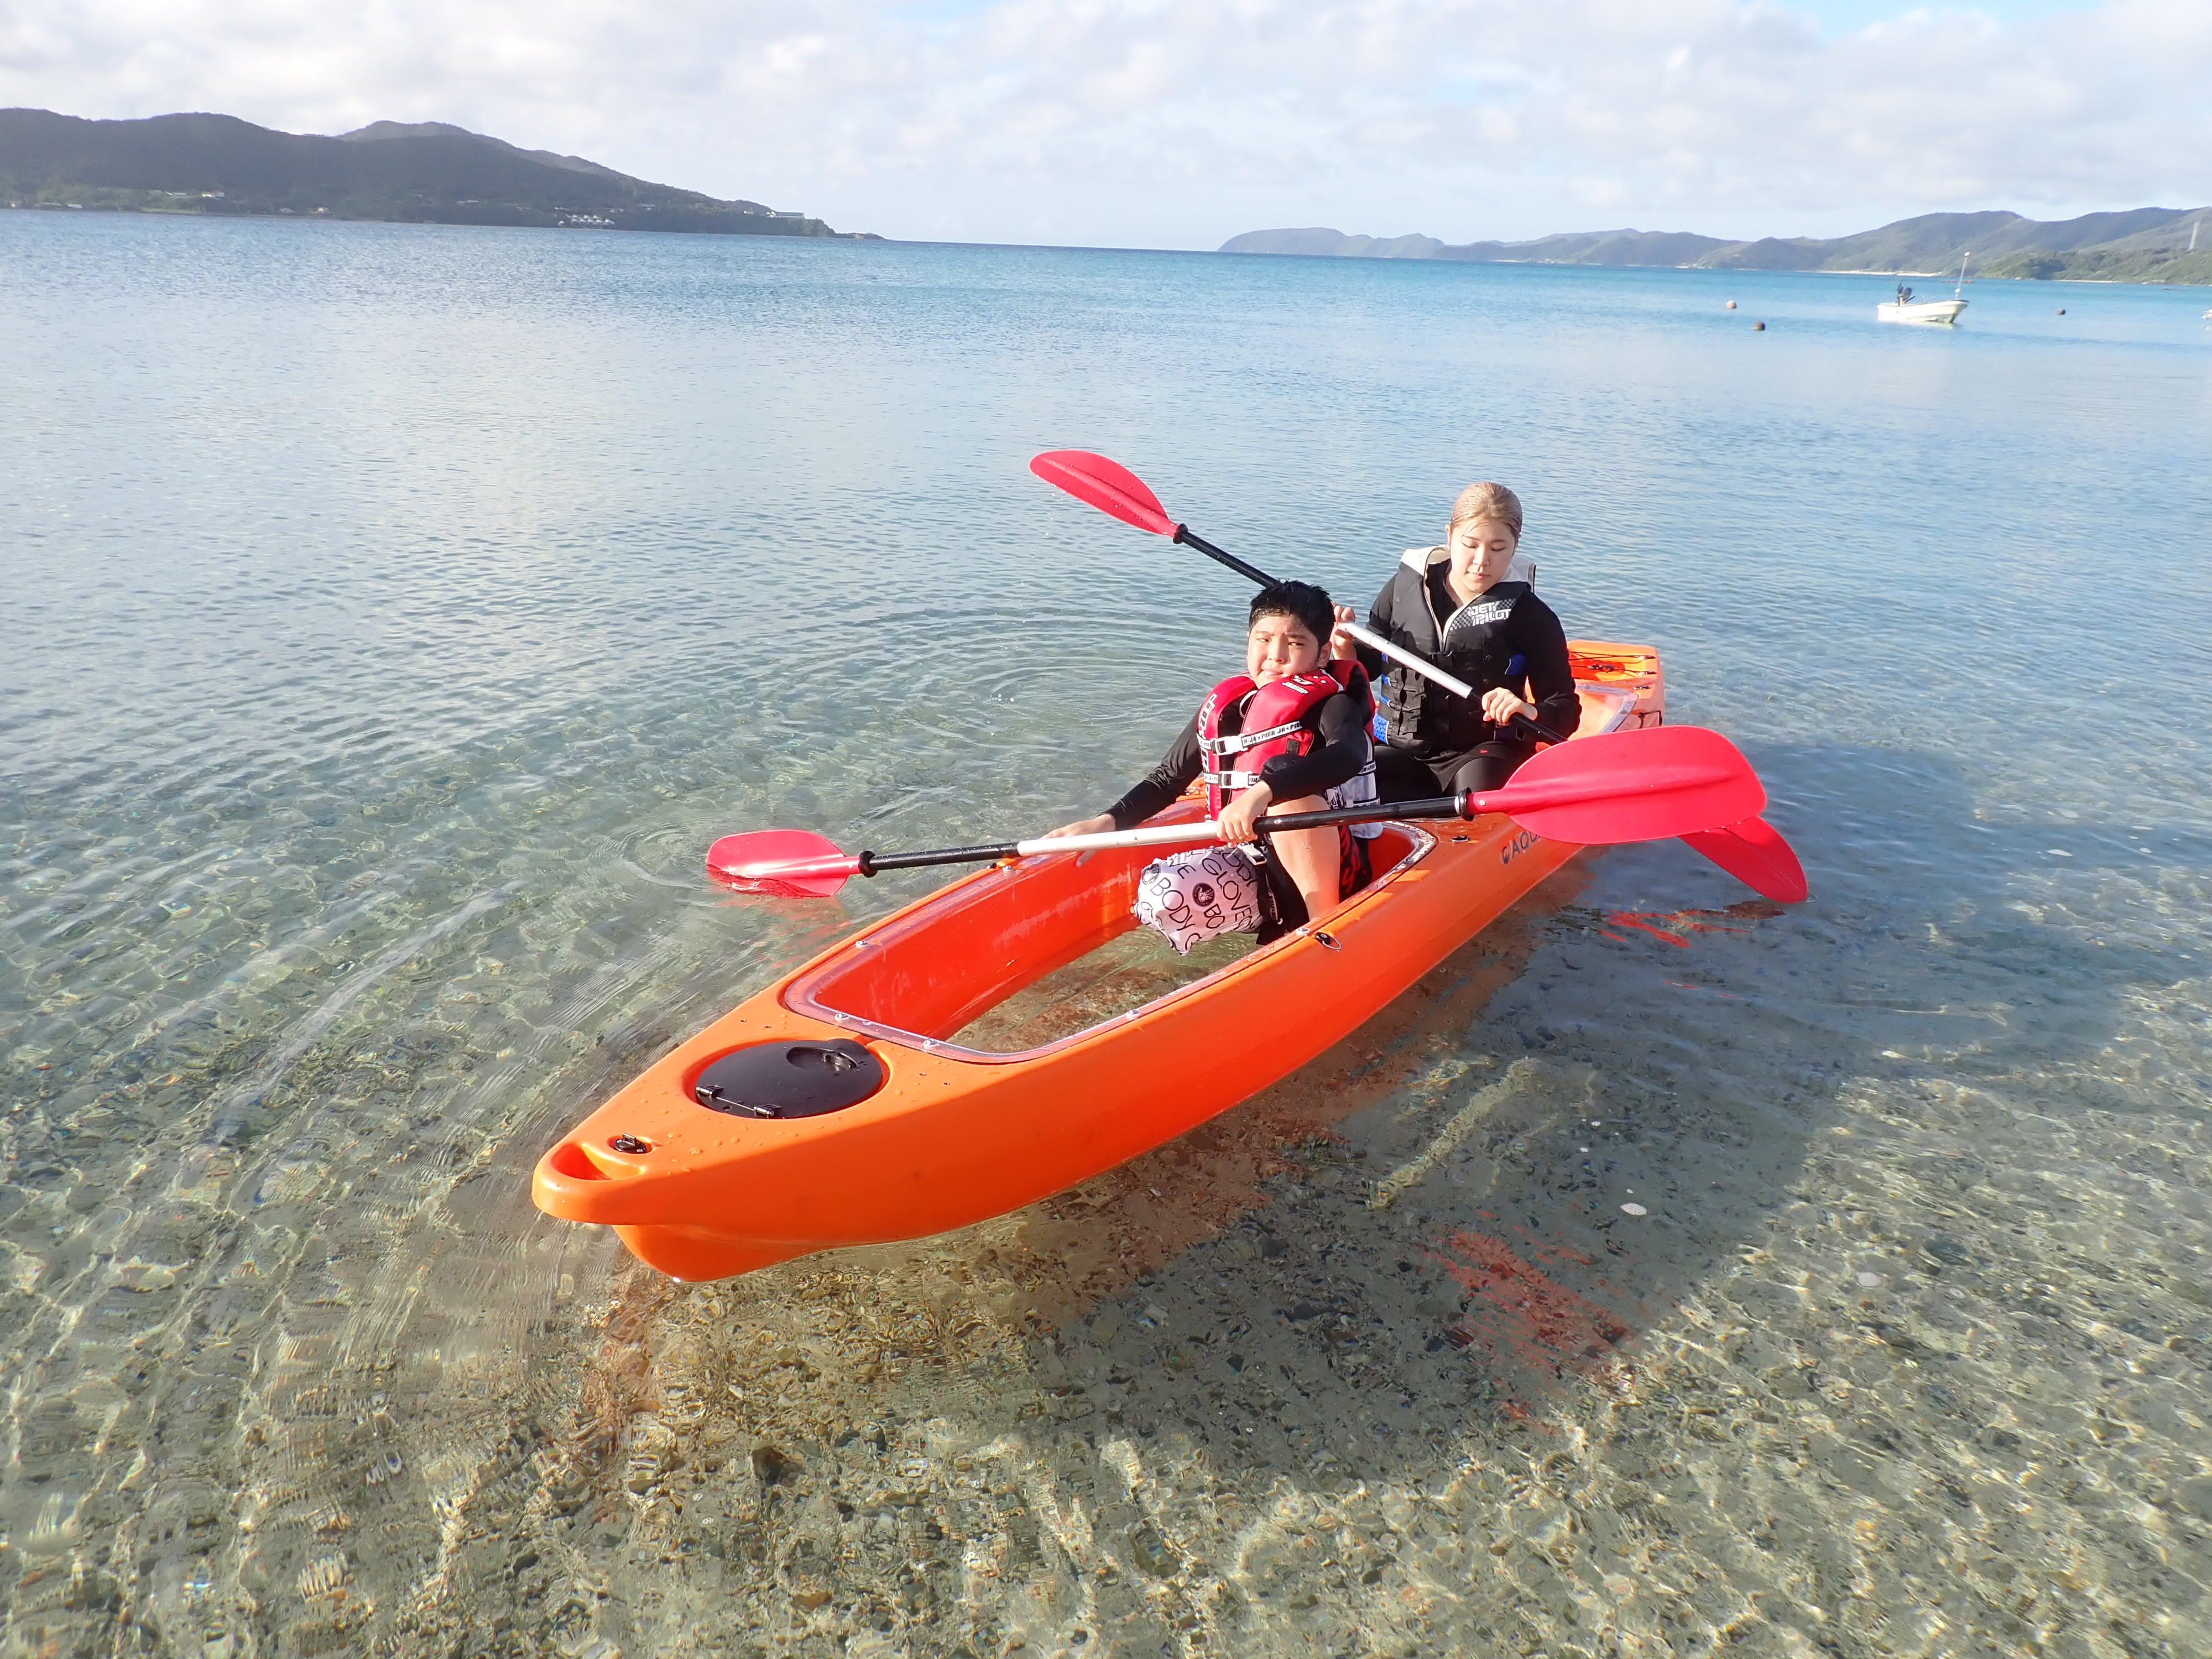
[(1542, 732), (1251, 572), (1438, 806), (871, 863)]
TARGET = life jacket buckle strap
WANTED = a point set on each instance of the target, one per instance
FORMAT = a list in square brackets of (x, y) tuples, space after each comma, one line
[(1237, 742)]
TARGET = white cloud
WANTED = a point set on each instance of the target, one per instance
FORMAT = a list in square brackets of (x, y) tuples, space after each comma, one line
[(1136, 121)]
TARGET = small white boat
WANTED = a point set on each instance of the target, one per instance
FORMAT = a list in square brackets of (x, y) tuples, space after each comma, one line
[(1906, 309)]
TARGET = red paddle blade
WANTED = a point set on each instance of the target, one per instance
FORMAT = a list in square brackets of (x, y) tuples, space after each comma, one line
[(1652, 785), (782, 863), (1755, 853), (1107, 485)]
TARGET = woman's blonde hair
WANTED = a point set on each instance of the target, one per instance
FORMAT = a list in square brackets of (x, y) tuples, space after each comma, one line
[(1488, 501)]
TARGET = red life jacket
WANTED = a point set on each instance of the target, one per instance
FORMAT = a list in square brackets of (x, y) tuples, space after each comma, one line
[(1265, 721)]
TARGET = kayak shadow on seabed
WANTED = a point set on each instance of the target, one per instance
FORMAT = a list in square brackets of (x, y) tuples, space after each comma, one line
[(1666, 1268)]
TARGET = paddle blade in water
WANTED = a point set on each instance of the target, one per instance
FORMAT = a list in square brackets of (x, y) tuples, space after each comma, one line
[(1107, 485), (1755, 853), (1652, 785), (781, 863)]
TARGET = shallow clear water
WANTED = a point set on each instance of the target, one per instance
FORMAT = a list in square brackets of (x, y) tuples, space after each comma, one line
[(396, 614)]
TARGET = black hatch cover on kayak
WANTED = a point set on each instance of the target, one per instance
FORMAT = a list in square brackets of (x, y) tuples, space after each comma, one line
[(790, 1079)]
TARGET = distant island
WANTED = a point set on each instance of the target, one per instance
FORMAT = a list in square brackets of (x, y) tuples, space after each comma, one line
[(2145, 245), (425, 172)]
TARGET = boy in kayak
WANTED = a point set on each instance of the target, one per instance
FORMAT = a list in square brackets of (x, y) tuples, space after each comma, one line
[(1466, 608), (1290, 734)]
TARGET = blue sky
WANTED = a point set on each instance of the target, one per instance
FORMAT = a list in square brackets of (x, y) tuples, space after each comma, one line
[(1180, 123)]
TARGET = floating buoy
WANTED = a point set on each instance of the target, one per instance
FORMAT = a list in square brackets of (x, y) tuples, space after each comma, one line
[(1731, 304), (1759, 328)]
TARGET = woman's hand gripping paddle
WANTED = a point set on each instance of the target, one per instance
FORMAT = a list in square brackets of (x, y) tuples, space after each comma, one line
[(1751, 850), (1625, 785)]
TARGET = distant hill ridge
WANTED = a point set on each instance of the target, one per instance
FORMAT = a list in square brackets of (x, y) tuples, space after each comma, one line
[(419, 172), (2142, 245)]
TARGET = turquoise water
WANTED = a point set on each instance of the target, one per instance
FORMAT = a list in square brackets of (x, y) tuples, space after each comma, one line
[(396, 614)]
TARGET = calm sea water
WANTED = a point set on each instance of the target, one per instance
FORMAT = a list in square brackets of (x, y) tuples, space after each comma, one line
[(395, 614)]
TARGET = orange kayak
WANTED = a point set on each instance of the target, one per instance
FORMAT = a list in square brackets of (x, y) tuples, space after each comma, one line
[(1015, 1033)]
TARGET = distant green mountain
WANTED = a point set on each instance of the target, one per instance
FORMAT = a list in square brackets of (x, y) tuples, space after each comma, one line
[(2145, 245), (426, 172), (1595, 248)]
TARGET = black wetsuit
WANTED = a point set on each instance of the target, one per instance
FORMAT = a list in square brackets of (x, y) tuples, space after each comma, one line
[(1438, 742), (1340, 725)]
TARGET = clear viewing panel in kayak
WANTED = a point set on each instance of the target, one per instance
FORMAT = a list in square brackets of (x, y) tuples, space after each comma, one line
[(928, 980), (1015, 1032)]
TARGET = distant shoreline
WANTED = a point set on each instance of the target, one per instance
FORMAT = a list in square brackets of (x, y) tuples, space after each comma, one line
[(2162, 246), (1072, 248), (1890, 273), (328, 218)]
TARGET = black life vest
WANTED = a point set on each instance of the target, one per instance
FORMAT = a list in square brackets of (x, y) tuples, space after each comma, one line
[(1473, 642)]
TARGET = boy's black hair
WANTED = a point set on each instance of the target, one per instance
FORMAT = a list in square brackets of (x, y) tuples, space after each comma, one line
[(1301, 600)]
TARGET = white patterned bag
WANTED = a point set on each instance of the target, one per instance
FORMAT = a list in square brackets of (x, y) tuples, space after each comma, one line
[(1199, 894)]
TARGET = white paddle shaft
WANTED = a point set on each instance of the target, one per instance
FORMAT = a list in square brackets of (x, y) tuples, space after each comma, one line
[(1157, 835), (1398, 653)]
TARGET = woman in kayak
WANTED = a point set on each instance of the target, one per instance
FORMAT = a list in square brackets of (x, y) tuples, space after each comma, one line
[(1310, 750), (1463, 608)]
